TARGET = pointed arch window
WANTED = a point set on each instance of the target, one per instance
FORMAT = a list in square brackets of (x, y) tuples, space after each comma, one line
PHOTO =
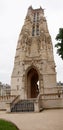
[(37, 30), (35, 27), (34, 18), (37, 16), (33, 31)]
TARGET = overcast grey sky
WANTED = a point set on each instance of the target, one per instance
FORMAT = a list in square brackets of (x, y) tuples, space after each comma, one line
[(12, 15)]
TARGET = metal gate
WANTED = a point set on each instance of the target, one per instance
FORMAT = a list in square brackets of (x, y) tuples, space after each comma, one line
[(23, 106)]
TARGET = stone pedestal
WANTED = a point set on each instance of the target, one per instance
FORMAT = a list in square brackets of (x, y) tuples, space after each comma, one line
[(36, 106), (8, 107)]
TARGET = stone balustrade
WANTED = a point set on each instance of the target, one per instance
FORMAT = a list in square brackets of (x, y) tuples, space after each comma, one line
[(53, 96), (4, 100), (7, 98)]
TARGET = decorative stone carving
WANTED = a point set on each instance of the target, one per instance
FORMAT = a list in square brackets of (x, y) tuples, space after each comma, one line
[(23, 78), (28, 19), (39, 43), (35, 56), (43, 40), (42, 35), (23, 65), (26, 42), (48, 43), (52, 66)]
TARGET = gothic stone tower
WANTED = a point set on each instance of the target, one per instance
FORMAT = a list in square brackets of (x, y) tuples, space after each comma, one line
[(34, 68)]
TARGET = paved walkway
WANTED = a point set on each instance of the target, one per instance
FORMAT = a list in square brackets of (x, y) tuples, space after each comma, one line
[(45, 120)]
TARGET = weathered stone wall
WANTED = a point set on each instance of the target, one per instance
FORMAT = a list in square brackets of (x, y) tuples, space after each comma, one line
[(34, 52), (4, 100)]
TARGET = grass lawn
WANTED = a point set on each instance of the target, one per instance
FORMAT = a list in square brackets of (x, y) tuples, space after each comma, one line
[(5, 125)]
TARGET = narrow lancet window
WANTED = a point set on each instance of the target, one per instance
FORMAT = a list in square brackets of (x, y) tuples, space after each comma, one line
[(37, 17), (37, 30), (34, 18), (33, 31)]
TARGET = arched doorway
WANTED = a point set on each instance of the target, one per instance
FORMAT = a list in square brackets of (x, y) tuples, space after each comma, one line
[(32, 83)]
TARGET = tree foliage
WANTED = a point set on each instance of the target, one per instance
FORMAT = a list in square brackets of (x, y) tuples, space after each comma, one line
[(59, 44)]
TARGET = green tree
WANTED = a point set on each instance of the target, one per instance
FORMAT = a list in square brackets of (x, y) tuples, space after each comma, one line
[(59, 44)]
